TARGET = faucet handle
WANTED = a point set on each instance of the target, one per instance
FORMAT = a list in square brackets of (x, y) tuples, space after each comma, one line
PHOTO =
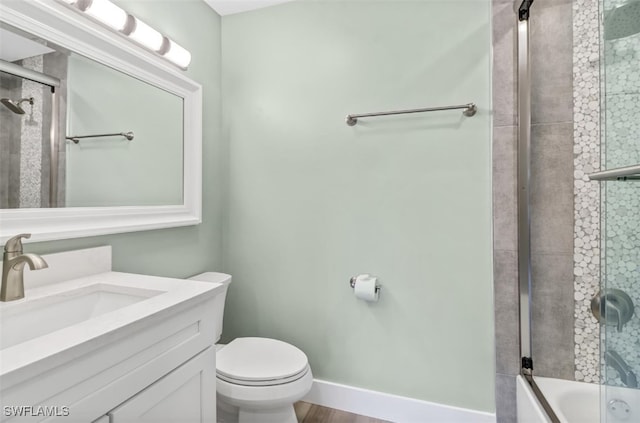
[(14, 245), (612, 307)]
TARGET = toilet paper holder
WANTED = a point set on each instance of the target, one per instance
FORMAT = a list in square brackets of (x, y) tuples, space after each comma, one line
[(352, 283)]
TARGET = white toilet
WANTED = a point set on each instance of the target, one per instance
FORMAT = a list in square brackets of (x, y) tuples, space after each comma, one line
[(257, 379)]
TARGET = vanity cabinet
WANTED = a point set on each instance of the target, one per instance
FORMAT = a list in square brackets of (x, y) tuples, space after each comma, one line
[(185, 395), (156, 368)]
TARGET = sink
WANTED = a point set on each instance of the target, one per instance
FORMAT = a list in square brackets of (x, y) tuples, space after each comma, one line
[(28, 319), (61, 321), (90, 339)]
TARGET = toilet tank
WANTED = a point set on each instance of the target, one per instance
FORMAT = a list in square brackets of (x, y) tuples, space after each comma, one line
[(219, 301)]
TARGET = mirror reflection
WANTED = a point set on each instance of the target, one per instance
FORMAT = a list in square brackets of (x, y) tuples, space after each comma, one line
[(119, 139), (24, 140)]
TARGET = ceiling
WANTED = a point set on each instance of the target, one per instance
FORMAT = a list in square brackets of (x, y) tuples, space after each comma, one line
[(229, 7)]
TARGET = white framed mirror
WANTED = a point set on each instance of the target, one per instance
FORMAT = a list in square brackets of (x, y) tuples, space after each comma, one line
[(59, 24)]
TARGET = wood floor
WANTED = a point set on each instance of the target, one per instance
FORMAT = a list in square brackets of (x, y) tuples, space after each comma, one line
[(311, 413)]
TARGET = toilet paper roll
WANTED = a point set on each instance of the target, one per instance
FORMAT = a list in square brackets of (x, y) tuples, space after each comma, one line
[(365, 288)]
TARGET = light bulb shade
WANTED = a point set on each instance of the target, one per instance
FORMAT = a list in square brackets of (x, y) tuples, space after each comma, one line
[(107, 13), (147, 36), (178, 54)]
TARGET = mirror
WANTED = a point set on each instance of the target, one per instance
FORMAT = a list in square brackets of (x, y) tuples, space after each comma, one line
[(114, 170), (129, 131), (101, 167)]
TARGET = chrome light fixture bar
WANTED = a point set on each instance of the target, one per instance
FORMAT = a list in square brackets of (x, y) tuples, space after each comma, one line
[(117, 19)]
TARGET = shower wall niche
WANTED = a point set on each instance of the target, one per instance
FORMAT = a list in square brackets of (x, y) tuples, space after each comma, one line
[(25, 146)]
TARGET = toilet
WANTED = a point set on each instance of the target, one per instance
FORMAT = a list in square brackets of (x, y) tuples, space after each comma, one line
[(257, 379)]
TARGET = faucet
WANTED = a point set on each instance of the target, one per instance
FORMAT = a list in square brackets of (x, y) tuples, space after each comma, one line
[(614, 360), (13, 262)]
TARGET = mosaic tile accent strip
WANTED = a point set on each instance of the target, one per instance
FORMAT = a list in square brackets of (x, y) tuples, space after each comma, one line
[(31, 139), (586, 97)]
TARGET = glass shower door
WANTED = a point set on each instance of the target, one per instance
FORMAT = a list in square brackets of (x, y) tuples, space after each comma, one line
[(619, 296)]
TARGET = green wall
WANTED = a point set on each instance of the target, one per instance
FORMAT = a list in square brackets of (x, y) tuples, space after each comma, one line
[(312, 202), (177, 252), (111, 171), (305, 202)]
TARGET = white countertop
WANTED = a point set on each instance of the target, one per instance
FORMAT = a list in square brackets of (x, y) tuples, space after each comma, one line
[(169, 296)]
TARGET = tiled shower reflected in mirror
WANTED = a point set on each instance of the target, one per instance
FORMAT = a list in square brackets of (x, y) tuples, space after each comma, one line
[(25, 119)]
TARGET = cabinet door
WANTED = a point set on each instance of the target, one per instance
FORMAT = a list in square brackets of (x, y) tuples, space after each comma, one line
[(186, 395)]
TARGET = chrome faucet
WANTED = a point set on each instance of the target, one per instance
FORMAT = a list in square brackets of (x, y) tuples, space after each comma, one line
[(614, 360), (13, 262)]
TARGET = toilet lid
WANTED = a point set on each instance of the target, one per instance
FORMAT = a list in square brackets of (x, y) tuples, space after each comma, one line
[(260, 360)]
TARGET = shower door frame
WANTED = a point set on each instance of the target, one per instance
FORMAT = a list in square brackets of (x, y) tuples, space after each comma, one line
[(523, 183), (54, 132), (524, 203)]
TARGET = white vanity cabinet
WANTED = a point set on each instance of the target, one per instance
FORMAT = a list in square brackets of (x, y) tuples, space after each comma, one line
[(186, 395), (152, 361)]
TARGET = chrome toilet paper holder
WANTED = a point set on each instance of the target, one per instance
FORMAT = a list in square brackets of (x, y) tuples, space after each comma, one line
[(352, 283)]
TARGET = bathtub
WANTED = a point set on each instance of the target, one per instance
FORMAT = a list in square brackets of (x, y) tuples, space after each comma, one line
[(577, 402)]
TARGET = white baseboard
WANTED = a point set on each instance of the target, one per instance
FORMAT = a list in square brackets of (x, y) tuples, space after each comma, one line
[(389, 407)]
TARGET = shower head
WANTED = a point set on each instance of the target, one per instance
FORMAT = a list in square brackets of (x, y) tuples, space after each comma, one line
[(14, 106), (622, 21)]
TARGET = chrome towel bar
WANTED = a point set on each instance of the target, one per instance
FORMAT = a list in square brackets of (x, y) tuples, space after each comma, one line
[(618, 174), (470, 109), (76, 138)]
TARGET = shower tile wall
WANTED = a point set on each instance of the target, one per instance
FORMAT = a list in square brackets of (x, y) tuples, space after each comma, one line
[(25, 141), (552, 188), (505, 244), (10, 128), (586, 56), (551, 195)]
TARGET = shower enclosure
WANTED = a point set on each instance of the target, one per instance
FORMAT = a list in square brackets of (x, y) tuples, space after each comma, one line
[(620, 196), (604, 337), (29, 121)]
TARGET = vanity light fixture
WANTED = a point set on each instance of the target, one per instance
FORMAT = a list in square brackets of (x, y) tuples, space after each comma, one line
[(147, 36), (178, 54), (107, 13)]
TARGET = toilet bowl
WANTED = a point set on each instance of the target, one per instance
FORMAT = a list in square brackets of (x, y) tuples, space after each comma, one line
[(257, 379)]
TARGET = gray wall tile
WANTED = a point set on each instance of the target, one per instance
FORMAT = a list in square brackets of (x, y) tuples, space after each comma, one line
[(504, 188), (552, 314), (551, 41), (10, 87), (506, 312), (504, 64), (552, 188), (506, 407)]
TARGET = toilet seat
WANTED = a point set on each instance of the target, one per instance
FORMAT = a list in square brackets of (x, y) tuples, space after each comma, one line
[(260, 362), (270, 382)]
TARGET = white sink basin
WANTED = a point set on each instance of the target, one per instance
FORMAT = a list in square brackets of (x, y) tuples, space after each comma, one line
[(61, 320), (26, 320)]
